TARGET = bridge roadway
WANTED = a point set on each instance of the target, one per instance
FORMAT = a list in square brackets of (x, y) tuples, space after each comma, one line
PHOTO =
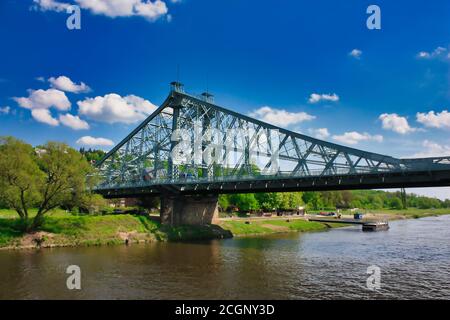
[(385, 180)]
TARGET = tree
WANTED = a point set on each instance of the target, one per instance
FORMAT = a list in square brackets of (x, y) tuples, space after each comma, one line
[(20, 176), (396, 203), (268, 200), (245, 201), (92, 155), (53, 175), (313, 200), (224, 202), (295, 200)]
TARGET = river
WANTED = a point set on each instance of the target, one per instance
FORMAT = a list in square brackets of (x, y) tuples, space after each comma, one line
[(413, 257)]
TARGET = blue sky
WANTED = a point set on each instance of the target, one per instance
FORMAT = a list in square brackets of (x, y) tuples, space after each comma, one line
[(312, 66)]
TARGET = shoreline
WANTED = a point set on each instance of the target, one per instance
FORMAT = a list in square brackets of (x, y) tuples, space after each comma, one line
[(78, 231)]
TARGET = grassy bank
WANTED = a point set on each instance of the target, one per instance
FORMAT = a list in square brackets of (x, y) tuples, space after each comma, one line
[(259, 227), (61, 228), (410, 213)]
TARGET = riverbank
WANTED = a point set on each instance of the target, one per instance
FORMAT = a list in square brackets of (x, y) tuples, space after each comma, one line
[(255, 227), (410, 213), (62, 229)]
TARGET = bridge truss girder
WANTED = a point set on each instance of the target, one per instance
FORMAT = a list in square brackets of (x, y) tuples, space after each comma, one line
[(261, 154)]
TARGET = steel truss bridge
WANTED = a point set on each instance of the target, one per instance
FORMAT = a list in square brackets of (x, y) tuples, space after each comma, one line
[(169, 153)]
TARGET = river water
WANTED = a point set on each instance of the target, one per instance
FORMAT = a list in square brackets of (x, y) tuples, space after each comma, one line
[(413, 257)]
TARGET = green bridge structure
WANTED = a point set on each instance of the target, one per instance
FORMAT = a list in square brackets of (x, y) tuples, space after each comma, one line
[(190, 150)]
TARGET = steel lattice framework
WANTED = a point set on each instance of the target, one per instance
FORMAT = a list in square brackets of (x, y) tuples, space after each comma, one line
[(190, 126)]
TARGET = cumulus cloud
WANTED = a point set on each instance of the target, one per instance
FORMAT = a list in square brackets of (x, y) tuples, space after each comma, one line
[(439, 52), (315, 97), (91, 141), (354, 137), (440, 120), (112, 108), (5, 110), (73, 122), (151, 10), (432, 149), (44, 99), (280, 117), (396, 123), (50, 5), (320, 133), (44, 116), (355, 53), (65, 84)]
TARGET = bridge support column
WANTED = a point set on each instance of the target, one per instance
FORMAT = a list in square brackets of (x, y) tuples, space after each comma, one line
[(189, 209)]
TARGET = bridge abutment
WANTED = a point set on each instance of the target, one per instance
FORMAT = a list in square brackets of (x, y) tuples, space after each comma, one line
[(189, 209)]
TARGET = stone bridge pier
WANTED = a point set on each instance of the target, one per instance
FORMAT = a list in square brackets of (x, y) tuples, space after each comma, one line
[(179, 209)]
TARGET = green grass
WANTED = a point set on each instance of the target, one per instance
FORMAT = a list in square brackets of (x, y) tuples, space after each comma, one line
[(412, 212), (83, 230), (297, 225), (64, 229), (240, 228), (9, 233), (257, 227), (12, 214), (183, 233)]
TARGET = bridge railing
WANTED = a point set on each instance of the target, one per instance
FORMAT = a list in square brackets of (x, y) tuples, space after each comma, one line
[(245, 178)]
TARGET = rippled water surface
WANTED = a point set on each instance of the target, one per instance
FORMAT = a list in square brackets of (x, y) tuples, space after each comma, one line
[(414, 257)]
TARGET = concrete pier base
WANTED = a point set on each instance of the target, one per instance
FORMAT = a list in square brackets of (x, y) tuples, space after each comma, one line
[(189, 209)]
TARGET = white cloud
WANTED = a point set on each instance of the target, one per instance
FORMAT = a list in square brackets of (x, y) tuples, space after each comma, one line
[(73, 122), (44, 99), (434, 120), (50, 5), (280, 117), (432, 149), (396, 123), (91, 141), (40, 79), (439, 52), (315, 97), (423, 55), (113, 108), (355, 53), (320, 133), (354, 137), (151, 10), (44, 116), (5, 110), (65, 84)]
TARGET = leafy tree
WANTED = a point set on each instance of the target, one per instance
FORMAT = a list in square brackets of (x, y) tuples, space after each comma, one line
[(20, 176), (224, 202), (396, 203), (268, 200), (52, 176), (92, 155), (295, 200), (313, 200), (347, 197), (245, 201)]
